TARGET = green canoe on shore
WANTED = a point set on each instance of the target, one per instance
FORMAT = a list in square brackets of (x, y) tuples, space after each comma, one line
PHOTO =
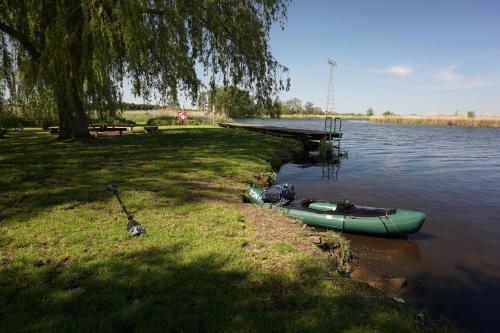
[(357, 219)]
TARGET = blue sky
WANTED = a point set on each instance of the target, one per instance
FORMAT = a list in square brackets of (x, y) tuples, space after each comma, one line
[(406, 56), (424, 57)]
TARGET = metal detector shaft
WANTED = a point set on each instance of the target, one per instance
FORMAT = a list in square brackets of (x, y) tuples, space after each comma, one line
[(122, 204), (134, 228)]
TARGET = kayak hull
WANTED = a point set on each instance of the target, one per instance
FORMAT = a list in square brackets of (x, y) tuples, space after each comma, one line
[(398, 223)]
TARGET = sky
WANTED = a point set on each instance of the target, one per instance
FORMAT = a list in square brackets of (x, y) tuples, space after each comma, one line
[(405, 56)]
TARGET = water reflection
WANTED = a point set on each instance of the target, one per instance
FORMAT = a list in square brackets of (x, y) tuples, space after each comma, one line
[(451, 174), (403, 250), (330, 170)]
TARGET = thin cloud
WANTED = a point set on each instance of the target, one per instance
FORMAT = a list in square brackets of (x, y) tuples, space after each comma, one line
[(476, 83), (448, 74), (449, 79), (397, 70)]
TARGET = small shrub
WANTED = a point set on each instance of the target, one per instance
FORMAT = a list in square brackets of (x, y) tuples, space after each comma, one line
[(161, 121), (471, 114), (8, 120), (121, 120), (171, 121), (388, 113), (326, 152)]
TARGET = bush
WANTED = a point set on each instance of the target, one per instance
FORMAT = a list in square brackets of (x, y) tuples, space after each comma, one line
[(388, 113), (9, 120), (120, 120), (471, 114), (171, 121), (138, 107), (161, 121)]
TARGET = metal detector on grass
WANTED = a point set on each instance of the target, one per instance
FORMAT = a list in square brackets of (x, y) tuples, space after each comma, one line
[(134, 228)]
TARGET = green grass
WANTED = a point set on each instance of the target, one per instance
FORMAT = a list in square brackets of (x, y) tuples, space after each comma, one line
[(68, 265)]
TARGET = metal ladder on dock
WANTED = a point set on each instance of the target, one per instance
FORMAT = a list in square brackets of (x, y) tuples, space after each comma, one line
[(334, 133)]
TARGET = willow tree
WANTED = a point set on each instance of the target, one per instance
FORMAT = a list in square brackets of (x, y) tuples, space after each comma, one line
[(79, 52)]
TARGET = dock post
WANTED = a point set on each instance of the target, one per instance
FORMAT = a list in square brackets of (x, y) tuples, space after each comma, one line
[(339, 133)]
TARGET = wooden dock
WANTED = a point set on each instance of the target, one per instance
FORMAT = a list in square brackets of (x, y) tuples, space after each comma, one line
[(295, 133)]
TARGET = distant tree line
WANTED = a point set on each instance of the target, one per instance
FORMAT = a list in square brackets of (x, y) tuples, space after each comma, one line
[(134, 106), (370, 112), (295, 106), (239, 103), (236, 103)]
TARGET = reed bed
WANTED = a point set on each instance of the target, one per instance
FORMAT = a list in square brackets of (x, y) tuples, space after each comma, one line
[(440, 120)]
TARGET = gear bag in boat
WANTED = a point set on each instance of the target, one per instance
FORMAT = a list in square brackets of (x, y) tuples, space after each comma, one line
[(279, 194)]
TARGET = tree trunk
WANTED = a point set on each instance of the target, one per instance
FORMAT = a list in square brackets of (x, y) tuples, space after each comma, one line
[(73, 122)]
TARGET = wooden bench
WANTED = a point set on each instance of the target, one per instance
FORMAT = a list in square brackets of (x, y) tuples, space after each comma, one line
[(151, 130)]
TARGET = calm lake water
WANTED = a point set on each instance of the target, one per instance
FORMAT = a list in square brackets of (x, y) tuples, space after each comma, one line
[(450, 173)]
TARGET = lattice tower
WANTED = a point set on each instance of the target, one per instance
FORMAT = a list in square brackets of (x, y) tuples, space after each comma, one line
[(330, 101)]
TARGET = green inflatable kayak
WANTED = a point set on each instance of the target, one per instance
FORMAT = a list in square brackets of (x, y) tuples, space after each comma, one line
[(356, 219)]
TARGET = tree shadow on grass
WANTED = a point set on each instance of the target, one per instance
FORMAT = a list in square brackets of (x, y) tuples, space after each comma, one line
[(41, 172), (162, 290)]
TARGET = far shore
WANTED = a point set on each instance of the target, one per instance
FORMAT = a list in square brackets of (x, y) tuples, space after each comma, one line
[(439, 120), (141, 116), (322, 116)]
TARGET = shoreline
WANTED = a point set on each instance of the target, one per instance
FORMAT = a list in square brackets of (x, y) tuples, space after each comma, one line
[(462, 121), (395, 288), (247, 268)]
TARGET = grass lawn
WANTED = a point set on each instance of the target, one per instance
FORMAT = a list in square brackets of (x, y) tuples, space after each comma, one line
[(207, 263)]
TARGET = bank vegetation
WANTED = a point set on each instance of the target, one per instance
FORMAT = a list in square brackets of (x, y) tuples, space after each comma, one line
[(439, 120)]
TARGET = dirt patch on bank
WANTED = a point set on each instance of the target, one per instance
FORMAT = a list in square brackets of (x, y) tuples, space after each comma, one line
[(268, 225)]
